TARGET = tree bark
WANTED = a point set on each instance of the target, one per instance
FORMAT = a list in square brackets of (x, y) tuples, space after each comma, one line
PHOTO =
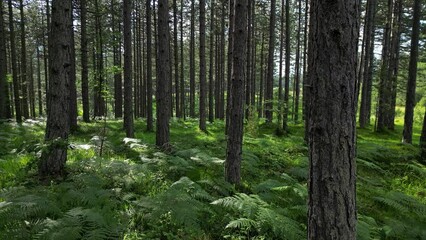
[(203, 89), (229, 63), (192, 63), (57, 128), (410, 99), (270, 75), (163, 81), (211, 71), (72, 83), (127, 30), (287, 66), (296, 89), (261, 82), (39, 87), (280, 71), (24, 74), (235, 133), (182, 76), (176, 62), (332, 72), (149, 114), (84, 63), (118, 81), (5, 111), (16, 87)]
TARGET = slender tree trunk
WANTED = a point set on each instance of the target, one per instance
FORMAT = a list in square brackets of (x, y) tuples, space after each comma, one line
[(192, 63), (297, 66), (17, 98), (57, 128), (280, 71), (306, 84), (46, 54), (84, 63), (39, 87), (182, 76), (248, 60), (73, 111), (24, 74), (100, 85), (235, 131), (229, 62), (332, 72), (176, 57), (31, 89), (163, 85), (5, 111), (203, 92), (261, 85), (287, 66), (127, 26), (211, 72), (222, 77), (118, 87), (269, 96), (365, 109), (394, 65), (410, 100), (149, 115)]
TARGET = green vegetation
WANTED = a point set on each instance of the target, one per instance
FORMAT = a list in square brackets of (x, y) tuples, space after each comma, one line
[(134, 191)]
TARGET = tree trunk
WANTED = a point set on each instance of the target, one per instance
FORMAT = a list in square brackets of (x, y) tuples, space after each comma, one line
[(163, 84), (182, 76), (248, 60), (211, 71), (53, 160), (287, 66), (127, 30), (280, 71), (235, 133), (192, 63), (84, 63), (17, 98), (5, 111), (39, 87), (261, 83), (365, 109), (229, 62), (73, 111), (297, 66), (410, 99), (31, 94), (203, 89), (332, 72), (149, 114), (24, 74), (306, 85), (118, 87), (99, 100), (176, 57), (269, 96)]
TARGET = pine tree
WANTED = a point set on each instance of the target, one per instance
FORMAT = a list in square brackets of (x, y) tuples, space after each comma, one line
[(128, 110)]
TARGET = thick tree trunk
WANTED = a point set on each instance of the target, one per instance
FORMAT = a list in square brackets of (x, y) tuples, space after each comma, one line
[(57, 128), (269, 96), (235, 132), (84, 63), (127, 26), (410, 99), (203, 92), (16, 87), (163, 81), (332, 72), (5, 111), (24, 75), (149, 114), (229, 62)]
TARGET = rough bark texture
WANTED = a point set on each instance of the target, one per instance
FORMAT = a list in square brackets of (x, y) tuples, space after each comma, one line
[(128, 109), (287, 66), (203, 92), (211, 72), (365, 108), (235, 132), (24, 75), (149, 114), (296, 89), (182, 76), (163, 74), (229, 62), (17, 99), (306, 85), (269, 96), (261, 83), (39, 87), (4, 88), (280, 71), (410, 99), (176, 62), (72, 84), (332, 72), (53, 160)]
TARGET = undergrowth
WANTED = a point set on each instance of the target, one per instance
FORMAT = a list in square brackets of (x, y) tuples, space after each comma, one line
[(134, 191)]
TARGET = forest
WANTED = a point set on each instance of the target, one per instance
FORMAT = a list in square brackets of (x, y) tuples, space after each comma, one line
[(218, 119)]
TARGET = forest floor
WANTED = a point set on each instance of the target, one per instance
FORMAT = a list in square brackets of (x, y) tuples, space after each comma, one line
[(134, 191)]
